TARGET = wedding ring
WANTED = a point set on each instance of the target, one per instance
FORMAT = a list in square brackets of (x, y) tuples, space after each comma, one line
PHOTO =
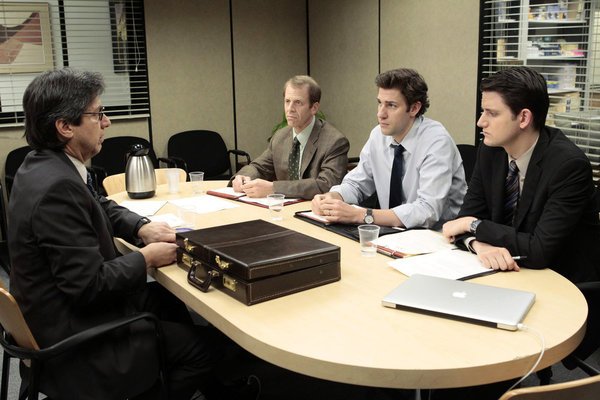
[(329, 213)]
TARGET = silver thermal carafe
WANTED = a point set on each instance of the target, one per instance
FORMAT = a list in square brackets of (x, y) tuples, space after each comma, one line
[(140, 180)]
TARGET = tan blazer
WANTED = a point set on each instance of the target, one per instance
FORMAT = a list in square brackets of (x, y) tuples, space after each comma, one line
[(324, 161)]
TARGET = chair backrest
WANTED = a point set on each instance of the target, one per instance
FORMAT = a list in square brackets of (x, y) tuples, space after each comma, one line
[(116, 183), (14, 159), (581, 389), (468, 153), (113, 156), (202, 151), (13, 322)]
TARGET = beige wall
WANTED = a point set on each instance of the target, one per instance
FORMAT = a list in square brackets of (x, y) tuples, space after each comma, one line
[(344, 60), (190, 71), (269, 39), (189, 68), (440, 40)]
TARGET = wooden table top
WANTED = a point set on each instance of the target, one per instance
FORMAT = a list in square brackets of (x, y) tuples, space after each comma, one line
[(341, 332)]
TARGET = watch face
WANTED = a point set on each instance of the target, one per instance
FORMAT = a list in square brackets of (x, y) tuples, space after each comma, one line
[(369, 219)]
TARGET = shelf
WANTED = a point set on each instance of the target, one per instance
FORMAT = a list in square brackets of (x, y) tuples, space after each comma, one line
[(560, 91), (556, 21), (555, 58)]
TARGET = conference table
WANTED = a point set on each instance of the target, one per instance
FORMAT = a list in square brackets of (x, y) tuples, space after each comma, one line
[(341, 332)]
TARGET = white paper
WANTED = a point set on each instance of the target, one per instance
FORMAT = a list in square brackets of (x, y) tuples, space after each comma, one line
[(415, 241), (263, 200), (171, 219), (450, 264), (144, 208), (204, 204), (229, 191), (312, 215)]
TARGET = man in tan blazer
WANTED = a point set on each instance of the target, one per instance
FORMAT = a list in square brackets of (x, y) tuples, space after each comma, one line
[(303, 159)]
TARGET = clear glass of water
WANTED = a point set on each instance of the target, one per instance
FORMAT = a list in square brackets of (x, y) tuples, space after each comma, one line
[(367, 234), (275, 201)]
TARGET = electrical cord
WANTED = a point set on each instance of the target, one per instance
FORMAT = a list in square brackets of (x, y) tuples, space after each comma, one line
[(528, 328)]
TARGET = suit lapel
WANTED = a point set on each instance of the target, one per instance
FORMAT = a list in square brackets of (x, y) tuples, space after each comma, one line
[(532, 178), (497, 185), (311, 146)]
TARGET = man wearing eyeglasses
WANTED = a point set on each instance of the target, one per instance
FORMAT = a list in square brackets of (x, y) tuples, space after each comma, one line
[(66, 274)]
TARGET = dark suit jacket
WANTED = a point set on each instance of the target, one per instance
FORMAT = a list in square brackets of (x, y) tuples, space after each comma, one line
[(557, 218), (67, 276), (324, 161)]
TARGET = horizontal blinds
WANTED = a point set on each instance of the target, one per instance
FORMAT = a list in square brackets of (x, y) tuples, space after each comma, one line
[(560, 39), (96, 35)]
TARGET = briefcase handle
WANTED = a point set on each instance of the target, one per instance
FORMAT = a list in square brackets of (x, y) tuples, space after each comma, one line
[(198, 283)]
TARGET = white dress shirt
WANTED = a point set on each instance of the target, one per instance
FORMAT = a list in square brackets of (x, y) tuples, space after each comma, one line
[(433, 180)]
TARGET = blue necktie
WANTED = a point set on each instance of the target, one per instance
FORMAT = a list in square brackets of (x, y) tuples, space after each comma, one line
[(396, 180), (90, 185), (511, 193), (294, 161)]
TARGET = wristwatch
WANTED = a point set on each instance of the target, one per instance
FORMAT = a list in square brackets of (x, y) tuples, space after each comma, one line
[(474, 224), (369, 216), (143, 221)]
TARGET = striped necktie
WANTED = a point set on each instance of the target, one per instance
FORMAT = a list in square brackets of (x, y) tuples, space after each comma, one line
[(294, 161), (396, 180), (90, 185), (511, 193)]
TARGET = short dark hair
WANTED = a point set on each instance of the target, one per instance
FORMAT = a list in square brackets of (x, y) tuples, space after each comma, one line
[(314, 90), (53, 95), (409, 82), (521, 87)]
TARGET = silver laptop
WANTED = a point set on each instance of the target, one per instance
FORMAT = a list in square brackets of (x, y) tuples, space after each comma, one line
[(472, 302)]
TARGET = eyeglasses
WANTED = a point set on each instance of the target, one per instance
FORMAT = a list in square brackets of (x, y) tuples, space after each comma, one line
[(100, 113)]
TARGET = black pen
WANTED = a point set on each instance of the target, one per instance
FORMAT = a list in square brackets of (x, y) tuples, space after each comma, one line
[(519, 257)]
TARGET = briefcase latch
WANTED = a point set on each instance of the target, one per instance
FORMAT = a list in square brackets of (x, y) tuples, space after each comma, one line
[(188, 246), (229, 283), (221, 263)]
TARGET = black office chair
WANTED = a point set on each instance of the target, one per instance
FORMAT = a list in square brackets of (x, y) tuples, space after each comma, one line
[(468, 153), (4, 257), (14, 159), (112, 159), (18, 342), (200, 150)]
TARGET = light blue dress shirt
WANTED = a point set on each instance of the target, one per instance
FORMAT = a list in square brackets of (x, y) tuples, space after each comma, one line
[(433, 180)]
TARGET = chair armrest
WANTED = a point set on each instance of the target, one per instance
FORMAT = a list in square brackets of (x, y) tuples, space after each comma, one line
[(169, 161), (81, 338), (240, 153), (179, 162)]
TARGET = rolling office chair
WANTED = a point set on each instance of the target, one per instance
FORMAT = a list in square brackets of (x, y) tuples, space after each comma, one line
[(112, 159), (18, 342), (468, 153), (116, 183), (14, 159), (581, 389), (4, 257), (201, 150)]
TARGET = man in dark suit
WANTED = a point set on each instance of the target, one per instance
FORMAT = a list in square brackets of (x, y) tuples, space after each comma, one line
[(303, 159), (531, 196), (66, 274)]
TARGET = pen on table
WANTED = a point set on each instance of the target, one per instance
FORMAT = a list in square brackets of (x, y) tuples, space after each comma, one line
[(519, 257)]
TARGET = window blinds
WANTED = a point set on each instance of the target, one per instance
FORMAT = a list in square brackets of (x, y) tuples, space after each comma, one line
[(96, 35), (560, 39)]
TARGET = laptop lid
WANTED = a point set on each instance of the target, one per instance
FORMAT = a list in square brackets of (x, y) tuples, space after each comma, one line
[(494, 306)]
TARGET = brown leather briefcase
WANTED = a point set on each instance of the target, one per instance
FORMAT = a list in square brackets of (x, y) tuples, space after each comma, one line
[(256, 261)]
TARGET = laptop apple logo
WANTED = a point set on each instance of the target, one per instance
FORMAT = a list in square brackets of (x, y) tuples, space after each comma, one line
[(459, 295)]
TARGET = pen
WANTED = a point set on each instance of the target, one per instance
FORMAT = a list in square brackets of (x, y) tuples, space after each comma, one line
[(519, 258)]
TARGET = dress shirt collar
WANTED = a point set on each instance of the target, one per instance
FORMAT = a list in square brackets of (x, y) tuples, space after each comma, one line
[(410, 141), (523, 163), (80, 167), (305, 133)]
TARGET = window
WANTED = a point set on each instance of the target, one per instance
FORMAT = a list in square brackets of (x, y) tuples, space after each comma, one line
[(560, 39), (96, 35)]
